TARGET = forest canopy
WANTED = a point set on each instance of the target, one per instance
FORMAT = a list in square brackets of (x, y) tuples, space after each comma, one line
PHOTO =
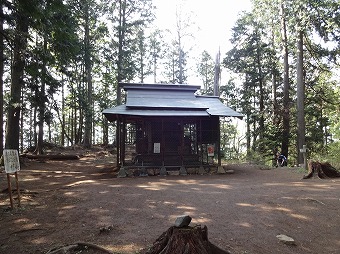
[(62, 61)]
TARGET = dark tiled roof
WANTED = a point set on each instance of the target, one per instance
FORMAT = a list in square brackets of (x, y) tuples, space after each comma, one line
[(168, 100)]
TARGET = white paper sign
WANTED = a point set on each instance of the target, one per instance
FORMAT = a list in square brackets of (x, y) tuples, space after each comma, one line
[(211, 150), (11, 160), (156, 147)]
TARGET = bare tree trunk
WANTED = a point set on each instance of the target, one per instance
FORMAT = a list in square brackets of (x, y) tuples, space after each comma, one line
[(261, 99), (35, 124), (105, 131), (18, 65), (21, 134), (301, 139), (1, 84), (88, 71), (217, 73), (121, 38), (286, 86), (42, 106), (63, 130)]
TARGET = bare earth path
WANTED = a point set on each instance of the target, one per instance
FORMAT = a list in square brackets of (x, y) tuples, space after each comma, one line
[(82, 201)]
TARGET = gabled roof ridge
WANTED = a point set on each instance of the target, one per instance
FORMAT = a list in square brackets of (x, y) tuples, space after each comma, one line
[(207, 96), (145, 86)]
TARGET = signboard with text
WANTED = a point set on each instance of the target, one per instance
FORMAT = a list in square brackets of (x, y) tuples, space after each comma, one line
[(156, 147), (211, 150), (11, 161)]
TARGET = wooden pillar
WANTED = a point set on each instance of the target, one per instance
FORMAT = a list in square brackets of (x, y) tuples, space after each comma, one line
[(201, 168), (123, 137), (220, 169), (120, 148), (182, 170), (118, 142), (163, 169)]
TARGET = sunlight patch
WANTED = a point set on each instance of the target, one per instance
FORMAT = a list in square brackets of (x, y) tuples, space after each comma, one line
[(245, 204), (299, 216), (128, 248), (80, 182), (69, 207), (245, 224), (201, 220), (154, 186), (186, 207)]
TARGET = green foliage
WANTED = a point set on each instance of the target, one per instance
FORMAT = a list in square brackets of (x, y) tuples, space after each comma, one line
[(205, 69), (232, 144), (328, 154), (257, 158), (118, 48)]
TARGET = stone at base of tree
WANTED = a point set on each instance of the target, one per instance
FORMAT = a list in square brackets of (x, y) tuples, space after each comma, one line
[(182, 221), (163, 172), (230, 171), (201, 170), (183, 171), (122, 172), (188, 240), (220, 170), (286, 239)]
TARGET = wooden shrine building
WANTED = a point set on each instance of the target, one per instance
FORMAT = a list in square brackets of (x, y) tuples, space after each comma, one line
[(167, 126)]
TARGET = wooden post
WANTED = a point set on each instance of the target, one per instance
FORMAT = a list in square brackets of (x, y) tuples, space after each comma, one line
[(17, 184), (303, 150), (10, 189)]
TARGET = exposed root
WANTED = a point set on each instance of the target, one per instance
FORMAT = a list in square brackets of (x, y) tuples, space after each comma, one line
[(80, 246)]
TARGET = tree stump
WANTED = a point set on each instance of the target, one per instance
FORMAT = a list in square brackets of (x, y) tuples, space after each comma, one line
[(185, 240), (321, 170)]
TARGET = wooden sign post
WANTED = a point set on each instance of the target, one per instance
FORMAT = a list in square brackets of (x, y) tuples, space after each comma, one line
[(12, 165)]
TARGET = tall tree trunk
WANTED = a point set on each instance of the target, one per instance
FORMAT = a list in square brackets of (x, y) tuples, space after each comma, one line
[(21, 133), (1, 83), (88, 72), (286, 86), (301, 139), (121, 38), (72, 121), (217, 73), (41, 104), (35, 124), (63, 130), (261, 102), (180, 58), (248, 134), (18, 66), (105, 132), (154, 69)]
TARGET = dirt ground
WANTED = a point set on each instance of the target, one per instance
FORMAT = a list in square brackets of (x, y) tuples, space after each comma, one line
[(67, 202)]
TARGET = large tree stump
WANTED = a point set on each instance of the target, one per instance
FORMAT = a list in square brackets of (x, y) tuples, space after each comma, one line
[(185, 240), (321, 170)]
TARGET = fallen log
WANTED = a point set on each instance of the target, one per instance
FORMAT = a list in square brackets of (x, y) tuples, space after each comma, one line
[(321, 170), (185, 240), (56, 157)]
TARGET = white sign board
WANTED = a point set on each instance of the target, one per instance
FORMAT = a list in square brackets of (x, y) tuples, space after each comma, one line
[(156, 147), (11, 160), (211, 150)]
